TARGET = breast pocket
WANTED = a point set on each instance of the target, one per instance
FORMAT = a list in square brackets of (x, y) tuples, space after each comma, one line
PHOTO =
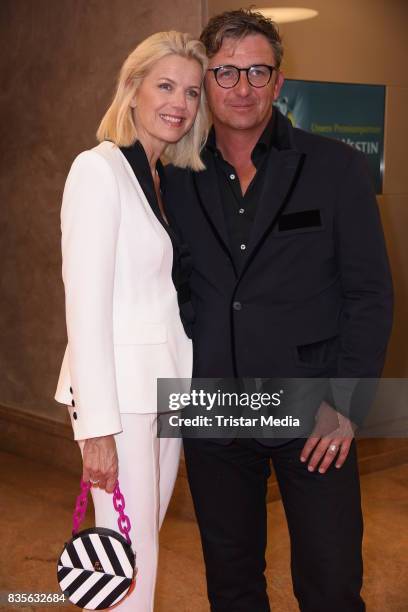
[(140, 333), (317, 354), (301, 222)]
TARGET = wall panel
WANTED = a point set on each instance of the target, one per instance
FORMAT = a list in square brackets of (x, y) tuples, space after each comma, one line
[(58, 65)]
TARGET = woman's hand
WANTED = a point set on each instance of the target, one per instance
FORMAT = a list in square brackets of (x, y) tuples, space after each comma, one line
[(100, 462)]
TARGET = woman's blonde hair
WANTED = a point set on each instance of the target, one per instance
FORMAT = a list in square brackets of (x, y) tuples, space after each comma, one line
[(118, 125)]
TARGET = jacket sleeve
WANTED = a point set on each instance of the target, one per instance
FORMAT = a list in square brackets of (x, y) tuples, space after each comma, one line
[(90, 218), (366, 317)]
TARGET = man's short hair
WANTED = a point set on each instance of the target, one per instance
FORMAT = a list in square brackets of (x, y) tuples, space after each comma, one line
[(238, 24)]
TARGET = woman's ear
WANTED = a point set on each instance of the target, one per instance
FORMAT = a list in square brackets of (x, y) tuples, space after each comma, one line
[(133, 100)]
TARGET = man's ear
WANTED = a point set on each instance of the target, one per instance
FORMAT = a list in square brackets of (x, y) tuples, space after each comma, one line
[(278, 85)]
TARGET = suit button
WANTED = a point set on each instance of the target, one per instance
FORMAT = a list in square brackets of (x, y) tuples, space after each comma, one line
[(73, 404), (237, 305), (74, 414), (71, 391)]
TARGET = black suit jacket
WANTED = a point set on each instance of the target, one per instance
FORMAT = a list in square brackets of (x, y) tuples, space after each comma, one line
[(314, 297)]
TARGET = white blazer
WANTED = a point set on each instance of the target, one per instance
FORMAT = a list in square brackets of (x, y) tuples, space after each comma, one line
[(123, 324)]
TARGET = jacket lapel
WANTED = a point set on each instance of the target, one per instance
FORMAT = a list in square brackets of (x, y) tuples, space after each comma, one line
[(206, 185), (149, 200), (283, 167)]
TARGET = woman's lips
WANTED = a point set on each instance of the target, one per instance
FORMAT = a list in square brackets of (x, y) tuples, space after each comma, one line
[(172, 120)]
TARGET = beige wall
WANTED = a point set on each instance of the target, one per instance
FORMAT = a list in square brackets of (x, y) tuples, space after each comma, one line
[(58, 64), (363, 41)]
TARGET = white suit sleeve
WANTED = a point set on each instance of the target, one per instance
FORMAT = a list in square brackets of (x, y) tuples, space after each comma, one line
[(90, 219)]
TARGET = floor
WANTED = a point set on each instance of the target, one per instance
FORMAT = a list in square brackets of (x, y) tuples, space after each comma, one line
[(36, 507)]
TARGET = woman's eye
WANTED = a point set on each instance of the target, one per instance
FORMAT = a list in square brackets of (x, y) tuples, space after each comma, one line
[(192, 93), (165, 86)]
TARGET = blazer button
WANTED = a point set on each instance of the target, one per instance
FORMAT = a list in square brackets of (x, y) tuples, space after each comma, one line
[(71, 391), (73, 404), (237, 305), (74, 414)]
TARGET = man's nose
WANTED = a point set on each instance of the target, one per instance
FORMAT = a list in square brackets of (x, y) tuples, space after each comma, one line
[(243, 88)]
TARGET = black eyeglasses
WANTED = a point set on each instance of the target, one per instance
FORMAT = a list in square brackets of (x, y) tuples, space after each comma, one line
[(258, 75)]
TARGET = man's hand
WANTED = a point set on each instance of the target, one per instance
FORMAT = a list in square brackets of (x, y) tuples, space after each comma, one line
[(100, 462), (330, 439)]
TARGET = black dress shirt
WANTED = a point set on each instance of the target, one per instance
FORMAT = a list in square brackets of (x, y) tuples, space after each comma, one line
[(240, 210)]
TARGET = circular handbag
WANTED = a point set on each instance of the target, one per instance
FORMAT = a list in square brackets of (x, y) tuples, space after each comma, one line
[(96, 568)]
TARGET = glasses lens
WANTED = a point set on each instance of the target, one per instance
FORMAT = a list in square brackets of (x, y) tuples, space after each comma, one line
[(259, 76), (227, 76)]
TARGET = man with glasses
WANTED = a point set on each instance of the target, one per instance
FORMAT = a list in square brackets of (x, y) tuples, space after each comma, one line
[(289, 278)]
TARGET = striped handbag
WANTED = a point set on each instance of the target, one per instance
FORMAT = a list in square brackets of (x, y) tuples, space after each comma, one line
[(96, 568)]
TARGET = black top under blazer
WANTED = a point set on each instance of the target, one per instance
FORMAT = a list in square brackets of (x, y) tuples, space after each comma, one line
[(314, 296)]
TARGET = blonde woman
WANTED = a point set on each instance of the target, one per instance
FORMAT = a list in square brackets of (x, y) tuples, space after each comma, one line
[(123, 324)]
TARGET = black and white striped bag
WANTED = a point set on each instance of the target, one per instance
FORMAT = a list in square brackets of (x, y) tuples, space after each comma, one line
[(96, 568)]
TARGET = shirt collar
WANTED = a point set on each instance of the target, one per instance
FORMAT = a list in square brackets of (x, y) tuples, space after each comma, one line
[(265, 141)]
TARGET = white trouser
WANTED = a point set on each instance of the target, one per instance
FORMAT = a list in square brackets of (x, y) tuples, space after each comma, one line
[(147, 472)]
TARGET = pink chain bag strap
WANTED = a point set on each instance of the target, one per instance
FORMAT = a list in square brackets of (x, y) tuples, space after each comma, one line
[(97, 566)]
